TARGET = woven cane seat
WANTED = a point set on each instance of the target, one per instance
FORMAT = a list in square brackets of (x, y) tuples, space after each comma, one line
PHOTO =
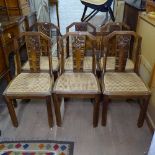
[(87, 66), (30, 84), (44, 64), (110, 66), (95, 2), (77, 83), (123, 84)]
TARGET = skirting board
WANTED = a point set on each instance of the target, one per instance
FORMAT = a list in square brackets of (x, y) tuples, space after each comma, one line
[(145, 72)]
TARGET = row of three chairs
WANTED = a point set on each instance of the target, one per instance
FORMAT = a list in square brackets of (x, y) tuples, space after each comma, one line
[(37, 83)]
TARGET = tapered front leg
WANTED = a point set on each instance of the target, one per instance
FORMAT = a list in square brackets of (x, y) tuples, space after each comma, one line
[(12, 113), (57, 109), (105, 109), (96, 111), (49, 111), (143, 111)]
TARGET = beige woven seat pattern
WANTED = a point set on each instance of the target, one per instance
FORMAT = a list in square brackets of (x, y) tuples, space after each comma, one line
[(123, 84), (110, 66), (77, 83), (28, 84), (44, 64), (87, 66)]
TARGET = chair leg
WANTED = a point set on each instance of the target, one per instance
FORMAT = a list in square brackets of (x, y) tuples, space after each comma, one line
[(143, 111), (104, 110), (57, 110), (84, 12), (91, 15), (12, 111), (111, 14), (49, 111), (15, 103), (96, 111)]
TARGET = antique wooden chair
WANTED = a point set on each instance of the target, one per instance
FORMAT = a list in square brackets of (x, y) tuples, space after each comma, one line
[(121, 84), (34, 84), (133, 56), (77, 84), (53, 32), (79, 27)]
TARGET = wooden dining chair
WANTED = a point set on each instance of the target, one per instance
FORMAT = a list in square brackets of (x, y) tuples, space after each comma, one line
[(33, 84), (53, 32), (79, 27), (133, 56), (119, 83), (77, 84)]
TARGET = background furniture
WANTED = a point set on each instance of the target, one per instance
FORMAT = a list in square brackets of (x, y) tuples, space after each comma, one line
[(4, 70), (102, 6), (16, 7), (150, 6), (131, 12), (121, 84), (33, 84), (9, 30)]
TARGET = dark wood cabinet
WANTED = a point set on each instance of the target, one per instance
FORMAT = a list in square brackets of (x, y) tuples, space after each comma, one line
[(16, 7), (9, 29), (4, 69), (131, 12)]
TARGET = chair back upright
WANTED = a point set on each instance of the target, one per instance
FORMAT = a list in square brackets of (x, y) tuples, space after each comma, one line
[(109, 28), (34, 50), (51, 31), (78, 49), (121, 46), (114, 26), (81, 27)]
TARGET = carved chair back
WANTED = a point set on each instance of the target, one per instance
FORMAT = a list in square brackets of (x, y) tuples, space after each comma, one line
[(121, 46), (114, 26), (78, 49), (110, 27), (81, 27), (34, 50), (51, 31)]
